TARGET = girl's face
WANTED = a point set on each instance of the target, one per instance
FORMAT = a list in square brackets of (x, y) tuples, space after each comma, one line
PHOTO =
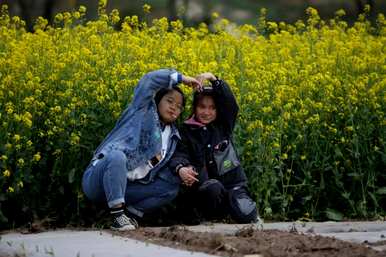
[(205, 111), (170, 106)]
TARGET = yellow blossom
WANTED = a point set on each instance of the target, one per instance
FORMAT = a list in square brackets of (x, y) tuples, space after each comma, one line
[(37, 157), (20, 162), (82, 9), (16, 138), (6, 173), (20, 184), (310, 94), (146, 8)]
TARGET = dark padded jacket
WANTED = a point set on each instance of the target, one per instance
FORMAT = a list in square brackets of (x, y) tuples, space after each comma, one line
[(198, 142)]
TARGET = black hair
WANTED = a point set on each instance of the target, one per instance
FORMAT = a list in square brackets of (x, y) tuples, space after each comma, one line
[(163, 91), (198, 96)]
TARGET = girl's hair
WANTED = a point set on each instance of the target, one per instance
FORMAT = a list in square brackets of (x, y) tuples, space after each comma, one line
[(197, 96), (163, 91)]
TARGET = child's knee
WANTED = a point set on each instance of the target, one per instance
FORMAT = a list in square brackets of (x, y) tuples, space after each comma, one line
[(171, 194), (213, 194), (116, 157), (242, 208), (212, 188)]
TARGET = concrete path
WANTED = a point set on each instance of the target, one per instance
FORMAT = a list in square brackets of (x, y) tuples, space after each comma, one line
[(65, 243), (357, 232)]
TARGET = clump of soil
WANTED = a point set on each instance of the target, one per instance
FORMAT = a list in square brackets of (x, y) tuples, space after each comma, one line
[(268, 243)]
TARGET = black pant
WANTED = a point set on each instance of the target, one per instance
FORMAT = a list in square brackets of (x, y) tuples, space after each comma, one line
[(216, 202)]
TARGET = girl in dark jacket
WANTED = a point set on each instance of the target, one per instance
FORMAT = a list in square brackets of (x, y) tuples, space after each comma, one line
[(205, 158)]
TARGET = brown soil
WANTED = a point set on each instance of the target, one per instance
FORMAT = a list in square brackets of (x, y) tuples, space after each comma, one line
[(248, 241)]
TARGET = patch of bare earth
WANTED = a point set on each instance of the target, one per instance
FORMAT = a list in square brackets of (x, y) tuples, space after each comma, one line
[(268, 243)]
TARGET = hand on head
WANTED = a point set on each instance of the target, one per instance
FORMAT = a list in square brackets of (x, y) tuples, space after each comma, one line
[(197, 82), (192, 82), (205, 76)]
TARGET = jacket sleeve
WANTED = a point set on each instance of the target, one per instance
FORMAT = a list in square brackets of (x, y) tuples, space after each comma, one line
[(180, 156), (144, 93), (153, 81), (227, 106)]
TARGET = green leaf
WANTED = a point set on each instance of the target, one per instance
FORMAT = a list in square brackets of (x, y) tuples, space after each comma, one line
[(346, 195), (372, 196), (3, 218), (334, 214), (338, 152), (381, 191), (71, 176)]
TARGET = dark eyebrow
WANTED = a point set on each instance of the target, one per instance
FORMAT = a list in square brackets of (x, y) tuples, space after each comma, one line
[(171, 98)]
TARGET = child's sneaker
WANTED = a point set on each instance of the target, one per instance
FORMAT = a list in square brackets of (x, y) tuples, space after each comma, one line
[(123, 223)]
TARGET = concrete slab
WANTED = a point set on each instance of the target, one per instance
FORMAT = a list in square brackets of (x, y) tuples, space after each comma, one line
[(356, 232), (304, 227), (359, 237), (65, 243)]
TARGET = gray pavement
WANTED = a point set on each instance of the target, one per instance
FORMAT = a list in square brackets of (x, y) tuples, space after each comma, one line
[(66, 243), (356, 232)]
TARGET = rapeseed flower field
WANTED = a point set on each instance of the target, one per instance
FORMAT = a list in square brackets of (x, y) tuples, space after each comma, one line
[(311, 131)]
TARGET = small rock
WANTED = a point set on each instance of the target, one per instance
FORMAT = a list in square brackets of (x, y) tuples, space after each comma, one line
[(311, 230)]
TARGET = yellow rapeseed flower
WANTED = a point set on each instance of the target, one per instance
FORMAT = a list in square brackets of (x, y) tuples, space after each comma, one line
[(299, 86), (20, 162), (146, 8), (6, 173), (16, 138), (82, 9), (20, 184), (37, 157)]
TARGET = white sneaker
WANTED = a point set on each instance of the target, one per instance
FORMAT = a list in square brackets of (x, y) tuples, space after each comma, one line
[(123, 223)]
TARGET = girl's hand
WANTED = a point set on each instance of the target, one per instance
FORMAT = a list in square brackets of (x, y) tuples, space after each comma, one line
[(205, 76), (192, 82), (188, 175)]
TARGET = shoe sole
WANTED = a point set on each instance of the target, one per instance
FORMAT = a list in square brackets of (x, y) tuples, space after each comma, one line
[(125, 228)]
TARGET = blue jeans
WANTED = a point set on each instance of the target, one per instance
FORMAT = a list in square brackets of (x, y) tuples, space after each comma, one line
[(105, 180)]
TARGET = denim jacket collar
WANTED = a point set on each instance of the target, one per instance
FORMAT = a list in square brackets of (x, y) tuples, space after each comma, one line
[(175, 132)]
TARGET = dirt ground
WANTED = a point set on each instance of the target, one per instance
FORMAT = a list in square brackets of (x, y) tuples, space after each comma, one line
[(248, 241)]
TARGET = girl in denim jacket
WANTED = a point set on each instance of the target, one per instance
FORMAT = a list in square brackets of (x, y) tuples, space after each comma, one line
[(128, 170)]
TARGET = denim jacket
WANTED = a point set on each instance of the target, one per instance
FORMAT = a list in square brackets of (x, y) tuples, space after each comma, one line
[(137, 132)]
